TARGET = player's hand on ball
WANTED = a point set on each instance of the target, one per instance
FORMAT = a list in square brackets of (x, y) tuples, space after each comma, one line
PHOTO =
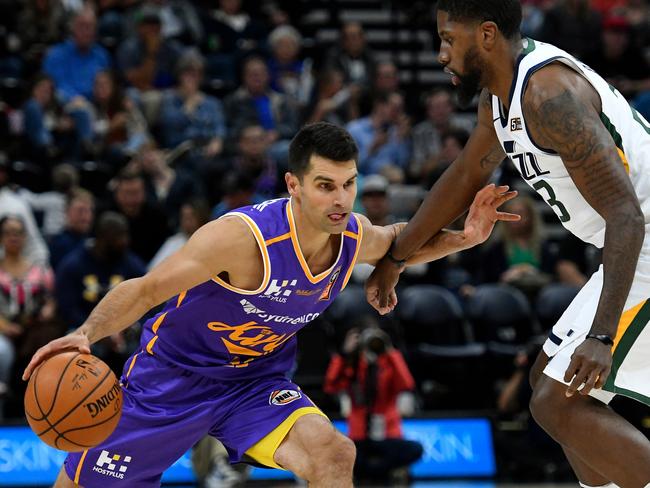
[(75, 341), (484, 213)]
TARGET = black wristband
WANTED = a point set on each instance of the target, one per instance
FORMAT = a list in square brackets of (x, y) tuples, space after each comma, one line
[(400, 263), (604, 338)]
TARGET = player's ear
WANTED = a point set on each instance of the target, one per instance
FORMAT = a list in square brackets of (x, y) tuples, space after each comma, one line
[(292, 183), (488, 34)]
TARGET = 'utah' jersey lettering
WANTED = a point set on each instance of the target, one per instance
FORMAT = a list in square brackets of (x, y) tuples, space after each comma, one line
[(544, 170), (225, 332)]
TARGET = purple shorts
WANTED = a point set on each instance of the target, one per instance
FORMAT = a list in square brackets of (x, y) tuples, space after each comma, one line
[(167, 410)]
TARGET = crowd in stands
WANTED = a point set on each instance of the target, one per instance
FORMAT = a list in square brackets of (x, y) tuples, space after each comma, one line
[(126, 125)]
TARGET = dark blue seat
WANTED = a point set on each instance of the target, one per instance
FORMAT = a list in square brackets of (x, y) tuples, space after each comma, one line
[(552, 301), (501, 313), (447, 365)]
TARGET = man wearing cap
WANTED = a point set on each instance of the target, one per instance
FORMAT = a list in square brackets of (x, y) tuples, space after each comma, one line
[(374, 199)]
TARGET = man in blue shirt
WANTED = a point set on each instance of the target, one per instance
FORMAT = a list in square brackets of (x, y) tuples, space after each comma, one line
[(74, 63), (382, 137)]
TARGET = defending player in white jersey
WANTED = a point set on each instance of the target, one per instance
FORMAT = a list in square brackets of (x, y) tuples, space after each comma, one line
[(578, 143)]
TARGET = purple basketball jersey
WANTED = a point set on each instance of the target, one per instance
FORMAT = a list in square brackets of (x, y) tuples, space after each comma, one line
[(227, 333)]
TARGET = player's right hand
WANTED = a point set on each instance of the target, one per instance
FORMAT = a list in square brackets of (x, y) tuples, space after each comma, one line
[(75, 340), (380, 286)]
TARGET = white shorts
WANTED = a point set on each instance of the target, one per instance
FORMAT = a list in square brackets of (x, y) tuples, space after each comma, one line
[(630, 375)]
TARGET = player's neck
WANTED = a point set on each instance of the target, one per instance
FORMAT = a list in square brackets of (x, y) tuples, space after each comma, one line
[(501, 74), (312, 240)]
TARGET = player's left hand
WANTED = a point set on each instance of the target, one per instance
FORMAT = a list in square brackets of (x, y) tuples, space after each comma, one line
[(483, 213), (590, 365)]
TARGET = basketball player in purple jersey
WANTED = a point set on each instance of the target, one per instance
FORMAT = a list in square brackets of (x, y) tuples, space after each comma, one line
[(215, 359)]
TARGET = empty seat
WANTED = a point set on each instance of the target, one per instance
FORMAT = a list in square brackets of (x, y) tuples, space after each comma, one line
[(552, 301), (501, 313), (433, 315)]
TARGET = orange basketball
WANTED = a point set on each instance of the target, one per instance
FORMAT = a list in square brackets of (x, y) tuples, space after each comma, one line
[(73, 401)]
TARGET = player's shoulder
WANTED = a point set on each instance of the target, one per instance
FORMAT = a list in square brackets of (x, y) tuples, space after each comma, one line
[(229, 232), (553, 81), (360, 220)]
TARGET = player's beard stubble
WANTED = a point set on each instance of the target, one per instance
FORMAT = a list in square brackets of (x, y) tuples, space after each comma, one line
[(470, 82)]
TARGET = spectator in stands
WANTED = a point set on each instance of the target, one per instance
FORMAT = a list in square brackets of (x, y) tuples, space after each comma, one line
[(256, 103), (573, 26), (375, 201), (148, 225), (254, 160), (383, 137), (352, 56), (619, 60), (40, 24), (376, 206), (289, 74), (188, 114), (90, 272), (453, 142), (179, 20), (35, 250), (166, 186), (27, 307), (147, 59), (79, 217), (637, 13), (238, 190), (119, 127), (427, 135), (194, 213), (50, 131), (373, 373), (74, 63), (229, 30), (386, 77), (333, 101), (519, 255), (576, 260), (51, 204)]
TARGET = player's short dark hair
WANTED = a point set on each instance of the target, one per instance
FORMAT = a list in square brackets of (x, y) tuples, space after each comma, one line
[(323, 139), (506, 14)]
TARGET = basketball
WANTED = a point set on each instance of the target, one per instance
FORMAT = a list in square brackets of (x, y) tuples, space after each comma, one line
[(73, 401)]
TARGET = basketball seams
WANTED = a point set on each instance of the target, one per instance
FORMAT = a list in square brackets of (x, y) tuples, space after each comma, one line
[(36, 399), (62, 434), (58, 385), (108, 373), (51, 384), (36, 402)]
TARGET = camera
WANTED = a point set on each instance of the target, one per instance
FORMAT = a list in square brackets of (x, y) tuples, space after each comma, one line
[(374, 341)]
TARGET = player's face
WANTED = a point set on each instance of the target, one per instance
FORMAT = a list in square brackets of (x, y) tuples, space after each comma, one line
[(326, 193), (459, 54)]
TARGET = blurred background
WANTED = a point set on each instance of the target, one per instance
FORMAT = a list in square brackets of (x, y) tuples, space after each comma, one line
[(126, 125)]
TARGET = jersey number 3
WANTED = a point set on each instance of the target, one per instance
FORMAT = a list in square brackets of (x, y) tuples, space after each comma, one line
[(551, 200)]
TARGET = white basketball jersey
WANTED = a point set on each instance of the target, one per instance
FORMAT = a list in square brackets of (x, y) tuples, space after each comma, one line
[(544, 170)]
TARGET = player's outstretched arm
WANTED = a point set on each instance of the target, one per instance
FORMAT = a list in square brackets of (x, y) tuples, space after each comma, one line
[(562, 112), (482, 216), (213, 249), (448, 199)]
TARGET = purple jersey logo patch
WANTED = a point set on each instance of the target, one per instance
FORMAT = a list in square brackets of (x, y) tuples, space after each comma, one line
[(284, 397)]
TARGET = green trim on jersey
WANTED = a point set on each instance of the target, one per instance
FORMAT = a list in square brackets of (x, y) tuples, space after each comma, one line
[(625, 344), (611, 128)]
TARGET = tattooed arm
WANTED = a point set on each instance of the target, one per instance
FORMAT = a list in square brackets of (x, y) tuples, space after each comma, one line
[(450, 197), (562, 113)]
